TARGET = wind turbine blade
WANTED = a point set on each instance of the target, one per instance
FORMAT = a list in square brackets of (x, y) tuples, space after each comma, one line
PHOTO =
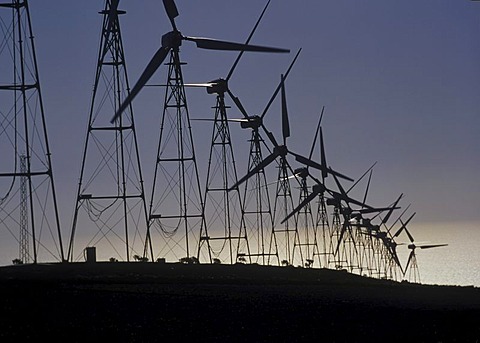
[(323, 156), (361, 177), (373, 210), (279, 86), (431, 246), (340, 188), (200, 85), (172, 11), (270, 135), (238, 104), (368, 186), (230, 73), (394, 206), (399, 217), (409, 259), (304, 203), (393, 251), (343, 195), (152, 66), (403, 227), (285, 123), (409, 219), (308, 162), (234, 120), (203, 85), (283, 178), (316, 134), (270, 158), (215, 44), (410, 237)]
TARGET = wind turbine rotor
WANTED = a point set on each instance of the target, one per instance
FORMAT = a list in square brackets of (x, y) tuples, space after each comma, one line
[(173, 40)]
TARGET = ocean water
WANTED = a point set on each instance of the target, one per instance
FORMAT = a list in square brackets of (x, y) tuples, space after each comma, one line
[(455, 264)]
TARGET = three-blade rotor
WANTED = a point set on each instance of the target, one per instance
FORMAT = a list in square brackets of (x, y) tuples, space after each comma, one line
[(173, 40)]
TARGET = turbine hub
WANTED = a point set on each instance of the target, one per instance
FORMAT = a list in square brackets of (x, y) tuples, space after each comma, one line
[(172, 39)]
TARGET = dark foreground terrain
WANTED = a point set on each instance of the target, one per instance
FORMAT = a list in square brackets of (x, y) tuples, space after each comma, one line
[(150, 302)]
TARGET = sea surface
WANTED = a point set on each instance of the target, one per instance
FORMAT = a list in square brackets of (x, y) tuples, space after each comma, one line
[(455, 264), (458, 263)]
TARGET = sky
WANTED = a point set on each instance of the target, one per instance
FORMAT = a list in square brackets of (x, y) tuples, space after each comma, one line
[(400, 82)]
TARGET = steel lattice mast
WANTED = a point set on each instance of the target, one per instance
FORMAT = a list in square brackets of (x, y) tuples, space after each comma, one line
[(323, 238), (110, 197), (24, 255), (223, 209), (176, 211), (308, 232), (258, 211), (286, 233), (23, 131)]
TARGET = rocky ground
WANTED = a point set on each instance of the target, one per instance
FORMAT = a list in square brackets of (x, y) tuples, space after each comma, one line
[(150, 302)]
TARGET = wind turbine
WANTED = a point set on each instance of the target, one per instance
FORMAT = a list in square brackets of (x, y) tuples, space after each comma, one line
[(321, 221), (412, 266), (341, 203), (279, 153), (171, 42), (224, 210), (176, 209), (256, 200), (310, 226), (287, 236), (377, 248)]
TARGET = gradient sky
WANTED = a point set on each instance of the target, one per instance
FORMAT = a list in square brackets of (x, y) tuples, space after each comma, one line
[(400, 81)]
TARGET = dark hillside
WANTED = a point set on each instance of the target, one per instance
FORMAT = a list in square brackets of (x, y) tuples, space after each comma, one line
[(147, 302)]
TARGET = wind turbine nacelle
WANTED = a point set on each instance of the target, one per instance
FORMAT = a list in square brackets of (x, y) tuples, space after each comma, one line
[(346, 211), (358, 217), (172, 39), (319, 188), (411, 246), (391, 242), (333, 202), (301, 172), (219, 86), (253, 122)]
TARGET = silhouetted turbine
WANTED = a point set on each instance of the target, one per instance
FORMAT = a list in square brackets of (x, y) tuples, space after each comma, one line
[(173, 40)]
